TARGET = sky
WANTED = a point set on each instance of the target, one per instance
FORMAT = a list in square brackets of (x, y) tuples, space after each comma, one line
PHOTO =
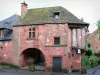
[(89, 10)]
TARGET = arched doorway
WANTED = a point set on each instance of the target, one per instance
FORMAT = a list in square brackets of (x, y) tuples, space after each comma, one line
[(33, 53)]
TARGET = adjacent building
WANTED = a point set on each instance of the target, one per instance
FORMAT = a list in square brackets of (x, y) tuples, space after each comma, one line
[(95, 42)]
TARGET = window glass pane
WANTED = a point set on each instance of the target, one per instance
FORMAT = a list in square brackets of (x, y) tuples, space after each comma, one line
[(56, 40), (57, 16), (33, 34), (29, 34)]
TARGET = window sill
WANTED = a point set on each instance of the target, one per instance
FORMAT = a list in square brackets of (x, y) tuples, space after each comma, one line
[(30, 38), (55, 45)]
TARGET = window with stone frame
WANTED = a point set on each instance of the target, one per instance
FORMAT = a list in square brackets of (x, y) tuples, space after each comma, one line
[(32, 33), (56, 40)]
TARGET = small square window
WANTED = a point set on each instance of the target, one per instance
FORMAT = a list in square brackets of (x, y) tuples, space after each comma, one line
[(56, 40)]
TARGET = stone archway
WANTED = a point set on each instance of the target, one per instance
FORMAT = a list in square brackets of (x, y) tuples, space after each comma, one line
[(32, 53)]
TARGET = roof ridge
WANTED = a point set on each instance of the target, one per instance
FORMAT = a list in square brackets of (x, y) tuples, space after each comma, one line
[(10, 17), (46, 7)]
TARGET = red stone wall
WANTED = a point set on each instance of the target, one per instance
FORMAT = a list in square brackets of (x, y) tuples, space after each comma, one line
[(44, 41), (6, 51), (76, 60)]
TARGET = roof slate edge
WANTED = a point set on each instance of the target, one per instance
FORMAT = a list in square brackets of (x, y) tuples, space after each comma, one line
[(6, 40), (87, 24)]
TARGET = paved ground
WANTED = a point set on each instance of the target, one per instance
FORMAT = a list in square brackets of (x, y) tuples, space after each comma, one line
[(25, 72), (94, 71)]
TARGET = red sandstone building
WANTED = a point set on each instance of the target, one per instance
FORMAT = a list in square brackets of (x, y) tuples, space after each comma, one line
[(50, 35)]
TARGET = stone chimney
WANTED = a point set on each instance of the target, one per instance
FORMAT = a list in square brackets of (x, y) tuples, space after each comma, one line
[(23, 9)]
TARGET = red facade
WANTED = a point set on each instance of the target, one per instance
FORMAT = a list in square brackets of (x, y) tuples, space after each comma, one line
[(52, 40)]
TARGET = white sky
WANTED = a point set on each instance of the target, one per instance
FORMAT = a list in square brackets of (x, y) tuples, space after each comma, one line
[(87, 9)]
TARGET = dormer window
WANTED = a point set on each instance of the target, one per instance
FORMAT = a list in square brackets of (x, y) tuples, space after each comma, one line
[(1, 32), (57, 15)]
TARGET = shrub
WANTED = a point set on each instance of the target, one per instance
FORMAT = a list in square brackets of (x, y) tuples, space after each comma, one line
[(89, 50), (94, 61), (65, 70), (86, 62), (89, 61), (98, 60), (31, 64), (49, 69), (8, 65)]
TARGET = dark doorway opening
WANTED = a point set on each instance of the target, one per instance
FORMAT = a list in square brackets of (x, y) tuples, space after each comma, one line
[(35, 54)]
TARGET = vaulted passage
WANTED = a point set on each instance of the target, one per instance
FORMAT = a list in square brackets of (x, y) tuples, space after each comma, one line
[(33, 53)]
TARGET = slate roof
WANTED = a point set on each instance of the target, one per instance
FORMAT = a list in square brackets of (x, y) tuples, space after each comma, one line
[(7, 25), (46, 15), (9, 22)]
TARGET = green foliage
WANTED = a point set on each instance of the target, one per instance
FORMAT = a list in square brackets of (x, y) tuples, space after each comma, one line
[(98, 60), (8, 65), (94, 61), (31, 64), (98, 23), (89, 60), (86, 62), (88, 51), (99, 37)]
